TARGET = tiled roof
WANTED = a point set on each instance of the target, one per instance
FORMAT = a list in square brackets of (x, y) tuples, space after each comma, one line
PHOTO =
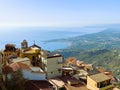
[(38, 85), (29, 51), (93, 72), (68, 78), (10, 45), (57, 82), (23, 66), (34, 45), (14, 67), (99, 77), (74, 84), (79, 86), (54, 56), (102, 70), (108, 73)]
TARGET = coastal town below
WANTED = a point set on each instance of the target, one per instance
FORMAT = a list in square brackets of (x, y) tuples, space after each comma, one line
[(32, 68)]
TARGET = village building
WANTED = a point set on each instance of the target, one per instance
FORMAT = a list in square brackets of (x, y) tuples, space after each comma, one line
[(30, 73), (66, 71), (10, 51), (45, 71), (22, 60), (58, 83), (24, 44), (0, 63), (99, 81), (67, 83), (52, 65), (72, 83), (109, 74), (34, 53), (1, 78), (38, 85)]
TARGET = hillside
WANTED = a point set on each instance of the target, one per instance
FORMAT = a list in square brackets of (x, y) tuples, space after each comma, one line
[(100, 49), (103, 58), (107, 39)]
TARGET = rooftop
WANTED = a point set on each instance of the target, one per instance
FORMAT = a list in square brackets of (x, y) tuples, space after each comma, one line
[(36, 69), (71, 83), (102, 70), (65, 79), (29, 51), (79, 86), (12, 45), (35, 46), (58, 82), (99, 77), (14, 67), (93, 71), (38, 85), (56, 55), (20, 59)]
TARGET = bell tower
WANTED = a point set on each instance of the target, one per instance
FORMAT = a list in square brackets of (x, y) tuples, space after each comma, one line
[(24, 44)]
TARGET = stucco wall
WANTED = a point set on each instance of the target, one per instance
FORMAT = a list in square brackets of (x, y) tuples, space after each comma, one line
[(34, 76), (53, 66), (91, 84)]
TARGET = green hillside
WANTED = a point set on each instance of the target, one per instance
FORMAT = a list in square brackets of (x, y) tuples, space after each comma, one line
[(108, 39), (100, 49)]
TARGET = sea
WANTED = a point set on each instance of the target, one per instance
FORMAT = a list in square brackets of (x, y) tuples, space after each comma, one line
[(38, 36)]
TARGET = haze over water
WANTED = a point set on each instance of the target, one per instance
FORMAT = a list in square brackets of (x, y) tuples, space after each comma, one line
[(17, 35), (53, 13), (39, 35)]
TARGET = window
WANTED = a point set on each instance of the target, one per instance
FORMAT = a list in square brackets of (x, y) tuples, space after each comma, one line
[(62, 88), (51, 72), (59, 70)]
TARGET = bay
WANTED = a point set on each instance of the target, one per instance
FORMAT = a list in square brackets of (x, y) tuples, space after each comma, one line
[(37, 36)]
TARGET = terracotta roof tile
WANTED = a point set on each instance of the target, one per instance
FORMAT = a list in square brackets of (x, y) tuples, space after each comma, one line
[(14, 67)]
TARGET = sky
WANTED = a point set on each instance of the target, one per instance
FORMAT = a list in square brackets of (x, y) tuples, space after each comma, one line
[(58, 13)]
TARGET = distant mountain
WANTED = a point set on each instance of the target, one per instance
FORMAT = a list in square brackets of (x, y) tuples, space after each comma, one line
[(107, 39)]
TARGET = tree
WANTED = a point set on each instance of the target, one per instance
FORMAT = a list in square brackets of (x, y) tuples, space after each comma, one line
[(16, 81)]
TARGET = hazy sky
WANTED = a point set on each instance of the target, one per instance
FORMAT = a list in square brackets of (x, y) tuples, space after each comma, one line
[(58, 13)]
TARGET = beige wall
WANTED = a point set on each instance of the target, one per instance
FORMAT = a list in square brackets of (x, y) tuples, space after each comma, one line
[(92, 85), (29, 55), (28, 62), (53, 67), (5, 55)]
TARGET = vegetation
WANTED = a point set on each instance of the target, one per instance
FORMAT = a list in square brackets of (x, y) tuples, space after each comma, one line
[(118, 85), (16, 82), (100, 49)]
